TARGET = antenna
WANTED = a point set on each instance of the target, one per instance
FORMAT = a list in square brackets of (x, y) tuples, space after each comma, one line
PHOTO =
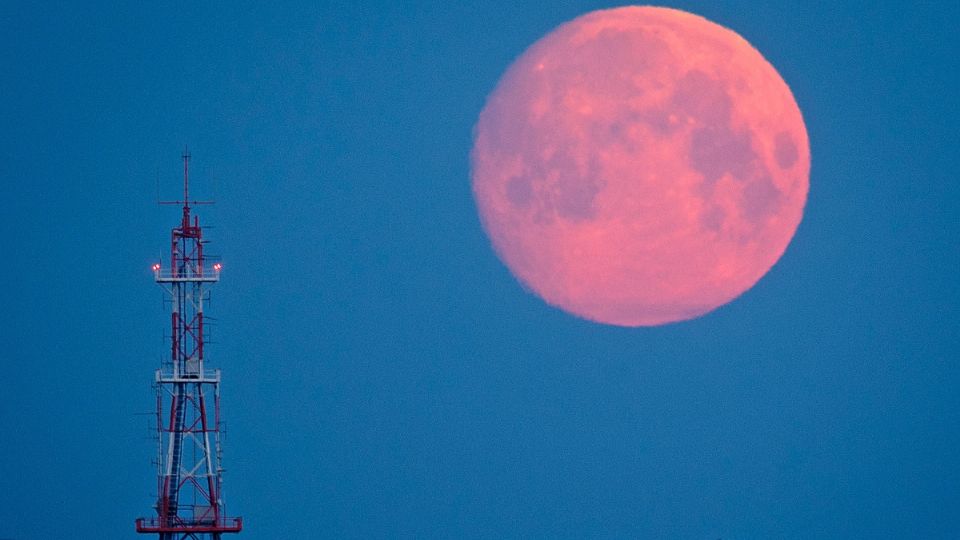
[(186, 176), (186, 202)]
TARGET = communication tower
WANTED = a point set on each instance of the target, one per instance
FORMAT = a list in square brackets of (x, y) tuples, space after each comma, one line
[(188, 430)]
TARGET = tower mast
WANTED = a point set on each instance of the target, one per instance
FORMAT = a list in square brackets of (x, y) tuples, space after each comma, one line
[(189, 475)]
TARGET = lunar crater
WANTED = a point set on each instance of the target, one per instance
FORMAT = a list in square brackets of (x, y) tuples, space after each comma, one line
[(557, 187), (702, 98), (715, 151), (761, 198), (785, 150)]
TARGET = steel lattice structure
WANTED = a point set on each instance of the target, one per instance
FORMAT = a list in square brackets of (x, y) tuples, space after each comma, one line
[(189, 474)]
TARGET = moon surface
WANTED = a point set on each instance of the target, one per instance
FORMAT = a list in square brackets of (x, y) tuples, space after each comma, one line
[(639, 166)]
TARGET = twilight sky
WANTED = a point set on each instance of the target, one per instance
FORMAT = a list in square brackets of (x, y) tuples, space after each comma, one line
[(384, 374)]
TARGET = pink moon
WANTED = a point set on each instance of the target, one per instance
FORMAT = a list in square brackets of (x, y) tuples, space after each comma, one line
[(640, 166)]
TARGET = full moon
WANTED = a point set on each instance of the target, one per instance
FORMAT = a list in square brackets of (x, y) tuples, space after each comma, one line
[(639, 166)]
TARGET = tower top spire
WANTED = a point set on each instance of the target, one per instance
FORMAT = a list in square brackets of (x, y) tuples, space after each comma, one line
[(186, 186), (185, 202)]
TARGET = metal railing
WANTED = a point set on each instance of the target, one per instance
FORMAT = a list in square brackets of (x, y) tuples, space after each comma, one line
[(184, 524), (190, 372), (168, 276)]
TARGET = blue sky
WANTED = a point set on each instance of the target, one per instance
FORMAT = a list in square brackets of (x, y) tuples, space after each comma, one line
[(384, 374)]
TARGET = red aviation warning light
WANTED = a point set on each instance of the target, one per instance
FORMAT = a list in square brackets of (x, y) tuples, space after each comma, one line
[(189, 500)]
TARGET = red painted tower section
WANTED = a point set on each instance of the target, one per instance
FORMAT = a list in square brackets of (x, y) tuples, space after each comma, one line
[(189, 475)]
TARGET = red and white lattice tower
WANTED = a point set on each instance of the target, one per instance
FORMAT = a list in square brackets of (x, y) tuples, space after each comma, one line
[(189, 475)]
